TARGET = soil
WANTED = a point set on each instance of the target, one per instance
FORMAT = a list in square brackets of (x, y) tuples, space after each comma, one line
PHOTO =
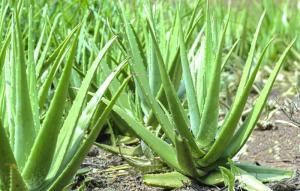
[(98, 173), (277, 144)]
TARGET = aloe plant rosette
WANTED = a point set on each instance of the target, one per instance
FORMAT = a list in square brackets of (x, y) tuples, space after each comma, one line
[(190, 139)]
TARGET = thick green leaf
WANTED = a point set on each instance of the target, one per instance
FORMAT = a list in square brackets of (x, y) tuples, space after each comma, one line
[(42, 153), (3, 51), (42, 35), (231, 120), (144, 165), (194, 113), (24, 123), (228, 177), (243, 133), (43, 91), (16, 181), (226, 59), (46, 49), (56, 53), (196, 15), (140, 75), (153, 69), (213, 178), (249, 61), (166, 180), (31, 77), (247, 181), (266, 174), (86, 118), (163, 149), (70, 122), (3, 11), (178, 113), (7, 164), (185, 158), (172, 57), (205, 73), (130, 151), (77, 159), (210, 115), (124, 99)]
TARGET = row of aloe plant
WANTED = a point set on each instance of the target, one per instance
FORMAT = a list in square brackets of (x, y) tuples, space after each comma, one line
[(56, 94)]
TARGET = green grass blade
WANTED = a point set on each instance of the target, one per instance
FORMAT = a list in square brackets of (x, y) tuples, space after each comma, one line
[(243, 36), (172, 52), (137, 45)]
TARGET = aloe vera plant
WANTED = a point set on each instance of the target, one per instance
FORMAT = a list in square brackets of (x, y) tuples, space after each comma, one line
[(44, 138), (189, 136), (132, 100)]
